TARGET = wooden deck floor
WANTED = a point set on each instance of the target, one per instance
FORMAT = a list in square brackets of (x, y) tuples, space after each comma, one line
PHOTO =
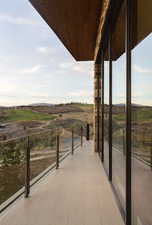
[(76, 194)]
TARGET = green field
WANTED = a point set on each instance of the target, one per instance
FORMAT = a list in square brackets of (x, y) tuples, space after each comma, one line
[(27, 115), (83, 106), (141, 115)]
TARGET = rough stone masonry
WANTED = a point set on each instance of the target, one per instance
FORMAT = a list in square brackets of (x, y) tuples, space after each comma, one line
[(97, 107)]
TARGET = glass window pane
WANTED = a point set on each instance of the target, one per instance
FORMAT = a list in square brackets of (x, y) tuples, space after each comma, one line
[(106, 116), (119, 112), (142, 133), (142, 117), (119, 126)]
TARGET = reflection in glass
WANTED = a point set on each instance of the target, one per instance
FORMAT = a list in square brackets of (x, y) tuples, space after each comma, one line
[(106, 116), (142, 133), (118, 127)]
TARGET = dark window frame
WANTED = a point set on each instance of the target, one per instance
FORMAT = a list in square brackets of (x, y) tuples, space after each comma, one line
[(128, 40)]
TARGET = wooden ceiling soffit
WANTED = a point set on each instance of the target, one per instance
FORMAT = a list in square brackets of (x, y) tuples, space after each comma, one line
[(75, 22), (118, 36)]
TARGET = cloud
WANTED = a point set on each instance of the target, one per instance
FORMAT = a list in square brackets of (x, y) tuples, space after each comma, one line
[(80, 96), (80, 67), (7, 88), (66, 65), (16, 71), (34, 69), (6, 18), (43, 49), (80, 93), (141, 70)]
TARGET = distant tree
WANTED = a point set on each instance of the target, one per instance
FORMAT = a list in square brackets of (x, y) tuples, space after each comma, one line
[(3, 116), (60, 115)]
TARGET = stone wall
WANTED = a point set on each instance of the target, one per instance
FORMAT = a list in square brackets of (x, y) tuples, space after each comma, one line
[(97, 107)]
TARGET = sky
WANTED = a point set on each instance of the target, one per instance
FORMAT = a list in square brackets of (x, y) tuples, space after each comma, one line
[(35, 67), (34, 64), (141, 75)]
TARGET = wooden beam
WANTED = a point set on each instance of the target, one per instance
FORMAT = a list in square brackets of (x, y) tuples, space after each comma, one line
[(104, 11)]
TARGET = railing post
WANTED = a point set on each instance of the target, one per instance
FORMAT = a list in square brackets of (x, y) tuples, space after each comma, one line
[(27, 169), (72, 141), (124, 143), (81, 136), (88, 132), (151, 158), (103, 109), (57, 149)]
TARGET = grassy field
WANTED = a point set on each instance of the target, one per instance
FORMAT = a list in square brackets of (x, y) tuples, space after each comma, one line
[(85, 107), (27, 115), (140, 115), (141, 131), (144, 115)]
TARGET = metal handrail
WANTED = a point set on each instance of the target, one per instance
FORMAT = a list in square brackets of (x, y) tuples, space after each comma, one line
[(29, 183), (27, 175)]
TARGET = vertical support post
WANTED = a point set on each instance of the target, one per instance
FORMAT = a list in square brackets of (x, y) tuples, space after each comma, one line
[(124, 145), (97, 106), (57, 149), (72, 141), (128, 111), (110, 108), (27, 169), (81, 136), (102, 125), (88, 132)]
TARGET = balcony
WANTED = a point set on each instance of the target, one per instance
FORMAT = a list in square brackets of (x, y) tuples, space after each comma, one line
[(77, 193), (116, 35)]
